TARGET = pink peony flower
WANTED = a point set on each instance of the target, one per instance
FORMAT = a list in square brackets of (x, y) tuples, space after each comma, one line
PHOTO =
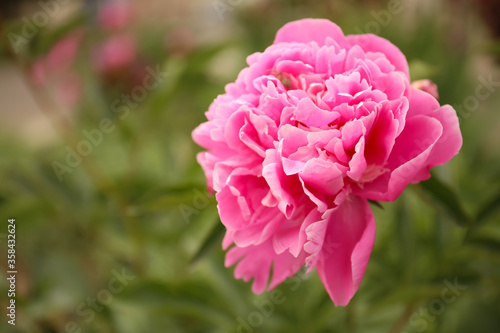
[(315, 126)]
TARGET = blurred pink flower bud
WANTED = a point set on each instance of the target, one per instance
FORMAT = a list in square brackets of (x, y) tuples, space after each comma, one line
[(115, 15), (115, 54), (428, 86), (59, 59), (63, 53)]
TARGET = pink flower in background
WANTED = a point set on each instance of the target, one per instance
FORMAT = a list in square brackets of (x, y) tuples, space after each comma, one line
[(318, 124), (428, 86), (59, 60), (55, 71), (115, 15), (63, 54), (115, 54)]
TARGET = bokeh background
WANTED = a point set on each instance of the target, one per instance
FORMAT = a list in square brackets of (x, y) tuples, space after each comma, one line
[(115, 231)]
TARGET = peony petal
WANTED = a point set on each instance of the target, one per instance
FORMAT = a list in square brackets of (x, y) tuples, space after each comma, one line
[(293, 67), (381, 138), (229, 210), (421, 103), (292, 139), (407, 160), (449, 144), (309, 30), (351, 133), (357, 165), (323, 176), (311, 115), (373, 43), (265, 222), (428, 86), (256, 262), (284, 188), (347, 246)]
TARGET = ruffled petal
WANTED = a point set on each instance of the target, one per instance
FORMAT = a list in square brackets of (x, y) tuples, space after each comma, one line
[(309, 30), (373, 43), (256, 262), (348, 243), (409, 157), (450, 142)]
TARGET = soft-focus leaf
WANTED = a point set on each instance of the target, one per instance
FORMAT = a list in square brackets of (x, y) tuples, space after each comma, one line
[(486, 242), (444, 197), (214, 239), (493, 206)]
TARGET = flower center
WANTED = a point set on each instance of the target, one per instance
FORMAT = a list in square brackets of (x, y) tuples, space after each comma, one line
[(313, 84)]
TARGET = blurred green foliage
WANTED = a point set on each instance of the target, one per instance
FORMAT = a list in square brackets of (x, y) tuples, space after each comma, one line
[(137, 203)]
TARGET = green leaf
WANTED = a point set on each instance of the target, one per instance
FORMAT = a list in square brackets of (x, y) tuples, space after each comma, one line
[(484, 213), (447, 199), (489, 209), (487, 242), (214, 239), (169, 196), (186, 299)]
